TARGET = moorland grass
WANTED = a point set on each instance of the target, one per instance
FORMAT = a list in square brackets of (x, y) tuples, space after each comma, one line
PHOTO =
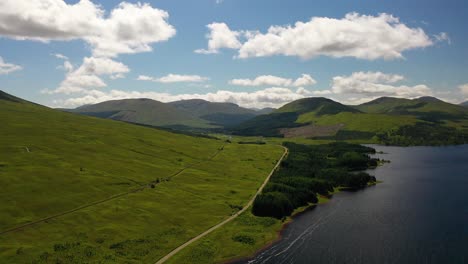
[(51, 162)]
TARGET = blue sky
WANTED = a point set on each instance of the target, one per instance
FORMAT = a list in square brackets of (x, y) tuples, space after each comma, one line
[(420, 50)]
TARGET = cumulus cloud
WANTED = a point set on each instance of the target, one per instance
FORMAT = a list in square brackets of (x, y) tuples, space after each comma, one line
[(87, 76), (220, 37), (174, 78), (129, 28), (376, 84), (270, 97), (6, 68), (359, 36), (304, 80)]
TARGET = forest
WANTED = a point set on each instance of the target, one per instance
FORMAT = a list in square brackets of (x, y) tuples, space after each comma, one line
[(309, 170)]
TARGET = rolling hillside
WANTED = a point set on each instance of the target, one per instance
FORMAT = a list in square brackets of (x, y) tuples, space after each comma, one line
[(220, 114), (184, 115), (426, 108), (285, 119), (82, 189), (142, 111), (425, 120)]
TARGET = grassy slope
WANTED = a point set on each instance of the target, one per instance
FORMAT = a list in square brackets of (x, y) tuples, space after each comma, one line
[(318, 105), (359, 121), (395, 105), (143, 111), (385, 105), (381, 115), (116, 157), (201, 108), (211, 249)]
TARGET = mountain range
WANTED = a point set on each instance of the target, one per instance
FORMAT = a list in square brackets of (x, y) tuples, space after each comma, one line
[(184, 115), (384, 120)]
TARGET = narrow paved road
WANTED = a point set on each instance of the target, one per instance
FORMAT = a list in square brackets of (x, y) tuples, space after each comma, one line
[(175, 251)]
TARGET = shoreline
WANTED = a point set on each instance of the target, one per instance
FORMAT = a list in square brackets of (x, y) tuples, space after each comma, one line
[(279, 234), (298, 212)]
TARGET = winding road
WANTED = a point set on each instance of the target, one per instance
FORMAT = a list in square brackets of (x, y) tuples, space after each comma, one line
[(175, 251)]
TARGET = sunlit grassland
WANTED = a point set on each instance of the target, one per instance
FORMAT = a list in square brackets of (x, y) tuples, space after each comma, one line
[(359, 121), (51, 162), (243, 237)]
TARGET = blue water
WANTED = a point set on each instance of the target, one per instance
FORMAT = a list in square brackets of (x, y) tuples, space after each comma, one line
[(419, 214)]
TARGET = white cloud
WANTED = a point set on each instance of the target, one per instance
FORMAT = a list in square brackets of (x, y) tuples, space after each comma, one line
[(321, 92), (86, 77), (219, 1), (442, 37), (145, 78), (376, 84), (6, 68), (464, 89), (220, 37), (304, 80), (355, 35), (67, 66), (270, 97), (60, 56), (129, 28), (174, 78), (101, 66)]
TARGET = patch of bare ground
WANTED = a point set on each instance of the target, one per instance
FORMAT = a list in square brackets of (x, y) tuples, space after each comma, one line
[(311, 131)]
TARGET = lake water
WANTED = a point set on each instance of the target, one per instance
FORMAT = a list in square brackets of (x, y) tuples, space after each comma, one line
[(419, 214)]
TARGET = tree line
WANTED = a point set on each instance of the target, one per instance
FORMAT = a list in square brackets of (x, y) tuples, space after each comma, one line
[(311, 170)]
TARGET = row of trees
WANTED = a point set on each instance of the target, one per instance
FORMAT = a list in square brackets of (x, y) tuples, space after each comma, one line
[(424, 134), (312, 170)]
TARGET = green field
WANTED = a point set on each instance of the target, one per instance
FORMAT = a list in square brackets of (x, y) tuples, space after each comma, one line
[(52, 162)]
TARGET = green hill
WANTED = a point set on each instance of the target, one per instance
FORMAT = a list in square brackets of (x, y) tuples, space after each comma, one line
[(192, 114), (425, 120), (81, 189), (221, 114), (142, 111), (318, 105), (287, 116), (419, 107)]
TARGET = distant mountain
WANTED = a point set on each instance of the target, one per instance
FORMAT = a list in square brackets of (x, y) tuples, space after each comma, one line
[(265, 111), (386, 105), (464, 104), (425, 108), (184, 115), (220, 114), (429, 99), (383, 120), (278, 122), (200, 107), (142, 111)]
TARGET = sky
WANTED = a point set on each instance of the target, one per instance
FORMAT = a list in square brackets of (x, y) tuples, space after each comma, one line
[(255, 53)]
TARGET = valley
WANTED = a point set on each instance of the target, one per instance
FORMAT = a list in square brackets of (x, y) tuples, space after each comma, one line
[(103, 188), (131, 195)]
